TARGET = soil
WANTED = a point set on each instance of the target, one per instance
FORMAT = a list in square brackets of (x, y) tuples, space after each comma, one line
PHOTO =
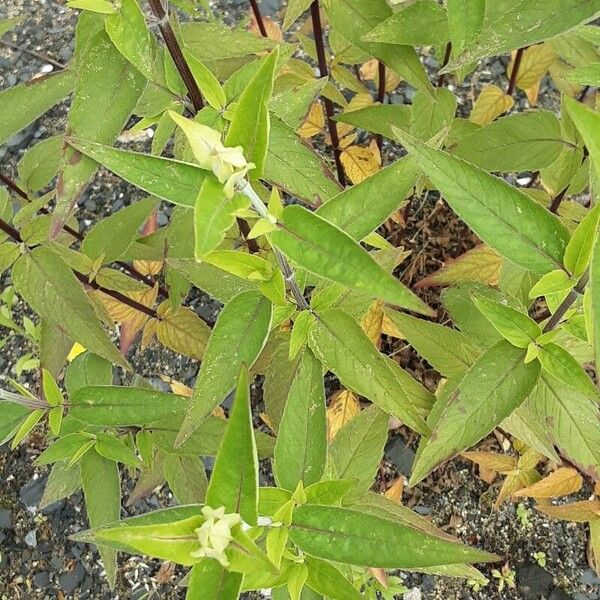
[(38, 561)]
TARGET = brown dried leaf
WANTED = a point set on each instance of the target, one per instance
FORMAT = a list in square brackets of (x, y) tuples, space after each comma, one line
[(273, 30), (380, 575), (480, 264), (514, 481), (491, 103), (370, 69), (343, 407), (562, 482)]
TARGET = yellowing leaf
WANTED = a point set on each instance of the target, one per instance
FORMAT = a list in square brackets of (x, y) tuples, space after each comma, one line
[(534, 65), (273, 30), (148, 334), (359, 163), (502, 463), (562, 482), (183, 330), (389, 328), (372, 322), (148, 267), (579, 512), (125, 314), (514, 481), (343, 407), (177, 387), (75, 351), (479, 264), (491, 103), (369, 69), (395, 490), (532, 94), (315, 121), (359, 101)]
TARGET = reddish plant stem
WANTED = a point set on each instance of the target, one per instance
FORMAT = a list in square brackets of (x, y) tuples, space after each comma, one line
[(149, 281), (583, 93), (556, 201), (327, 103), (259, 18), (16, 236), (245, 230), (442, 78), (176, 54), (380, 97), (515, 72)]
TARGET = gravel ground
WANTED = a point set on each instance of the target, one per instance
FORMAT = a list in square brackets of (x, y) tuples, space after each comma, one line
[(37, 561)]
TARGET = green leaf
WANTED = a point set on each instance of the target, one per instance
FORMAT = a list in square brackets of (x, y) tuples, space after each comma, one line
[(104, 7), (325, 250), (111, 236), (40, 163), (210, 581), (119, 406), (593, 319), (579, 248), (127, 30), (525, 142), (339, 342), (516, 327), (216, 41), (357, 450), (171, 180), (9, 252), (8, 24), (63, 448), (219, 284), (465, 18), (24, 103), (586, 75), (301, 446), (167, 534), (50, 288), (214, 215), (512, 25), (11, 415), (186, 478), (378, 118), (423, 23), (292, 104), (30, 421), (237, 339), (447, 350), (294, 9), (571, 419), (61, 483), (209, 85), (588, 123), (293, 166), (552, 283), (432, 114), (299, 336), (348, 536), (362, 208), (250, 123), (106, 92), (355, 18), (505, 218), (52, 393), (496, 384), (87, 369), (563, 366), (234, 479), (116, 450), (102, 492), (325, 579)]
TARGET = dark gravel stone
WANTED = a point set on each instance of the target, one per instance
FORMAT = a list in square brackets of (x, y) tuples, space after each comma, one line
[(41, 580), (559, 594), (72, 579), (31, 493), (533, 581), (6, 519), (400, 455)]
